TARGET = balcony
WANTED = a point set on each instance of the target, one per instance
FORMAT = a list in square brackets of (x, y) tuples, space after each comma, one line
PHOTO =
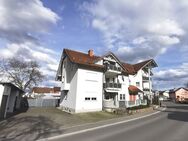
[(145, 78), (112, 87), (146, 89), (112, 69)]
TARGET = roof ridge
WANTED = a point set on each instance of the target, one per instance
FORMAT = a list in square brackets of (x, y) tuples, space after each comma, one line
[(79, 52)]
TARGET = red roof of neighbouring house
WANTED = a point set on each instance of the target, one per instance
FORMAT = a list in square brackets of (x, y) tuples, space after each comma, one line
[(134, 89), (46, 90), (181, 88)]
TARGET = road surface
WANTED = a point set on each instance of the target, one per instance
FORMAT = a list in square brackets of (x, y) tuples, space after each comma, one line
[(169, 125)]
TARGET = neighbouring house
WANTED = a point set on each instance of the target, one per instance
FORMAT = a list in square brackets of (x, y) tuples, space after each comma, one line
[(44, 97), (179, 95), (10, 99), (45, 91), (164, 95), (93, 83)]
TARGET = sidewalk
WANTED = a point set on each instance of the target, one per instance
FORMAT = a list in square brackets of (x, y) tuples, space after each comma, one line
[(49, 128)]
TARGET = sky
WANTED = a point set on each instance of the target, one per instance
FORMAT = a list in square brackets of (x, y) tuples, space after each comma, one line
[(40, 30)]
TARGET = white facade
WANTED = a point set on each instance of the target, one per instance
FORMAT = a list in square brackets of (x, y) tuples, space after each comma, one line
[(87, 90)]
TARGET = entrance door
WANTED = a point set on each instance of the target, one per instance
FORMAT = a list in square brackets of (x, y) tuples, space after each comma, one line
[(3, 106)]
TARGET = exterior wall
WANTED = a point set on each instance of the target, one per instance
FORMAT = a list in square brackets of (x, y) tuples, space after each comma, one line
[(1, 93), (68, 97), (7, 91), (166, 94), (11, 102), (89, 85), (182, 94), (146, 85), (124, 80), (136, 78)]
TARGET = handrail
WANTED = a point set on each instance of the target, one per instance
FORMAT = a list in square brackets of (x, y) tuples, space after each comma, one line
[(112, 85)]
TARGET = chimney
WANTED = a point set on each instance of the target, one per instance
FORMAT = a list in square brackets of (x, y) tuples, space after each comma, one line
[(90, 53)]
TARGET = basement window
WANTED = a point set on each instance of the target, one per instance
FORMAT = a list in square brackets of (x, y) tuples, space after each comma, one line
[(87, 98), (93, 98)]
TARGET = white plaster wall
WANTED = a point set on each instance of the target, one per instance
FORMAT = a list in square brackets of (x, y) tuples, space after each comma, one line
[(125, 85), (70, 100), (1, 93), (100, 62), (90, 84), (136, 78), (146, 85)]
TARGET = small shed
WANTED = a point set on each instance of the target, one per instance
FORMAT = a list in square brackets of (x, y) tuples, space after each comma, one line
[(10, 98)]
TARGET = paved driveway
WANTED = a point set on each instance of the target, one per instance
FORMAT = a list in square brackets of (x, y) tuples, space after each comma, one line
[(40, 122)]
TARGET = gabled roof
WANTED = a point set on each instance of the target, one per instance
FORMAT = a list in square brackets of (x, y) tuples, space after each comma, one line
[(130, 68), (79, 57), (140, 65), (181, 88), (134, 90), (12, 85), (117, 59), (133, 69), (83, 59)]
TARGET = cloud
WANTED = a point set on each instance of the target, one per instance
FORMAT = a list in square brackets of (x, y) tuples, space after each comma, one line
[(168, 78), (21, 24), (135, 29), (20, 20)]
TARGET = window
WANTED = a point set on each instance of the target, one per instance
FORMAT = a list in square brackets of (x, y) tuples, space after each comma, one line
[(138, 84), (122, 78), (93, 98), (65, 95), (87, 98), (122, 97), (107, 80)]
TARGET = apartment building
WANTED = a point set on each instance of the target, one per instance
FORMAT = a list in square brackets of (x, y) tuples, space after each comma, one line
[(93, 83)]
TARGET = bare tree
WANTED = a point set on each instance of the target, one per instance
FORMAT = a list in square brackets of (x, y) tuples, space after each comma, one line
[(24, 74)]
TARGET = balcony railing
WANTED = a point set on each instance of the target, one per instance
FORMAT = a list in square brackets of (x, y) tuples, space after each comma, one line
[(146, 89), (145, 78), (112, 85), (113, 67)]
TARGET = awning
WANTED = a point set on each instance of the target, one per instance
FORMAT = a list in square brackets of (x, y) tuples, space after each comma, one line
[(133, 90)]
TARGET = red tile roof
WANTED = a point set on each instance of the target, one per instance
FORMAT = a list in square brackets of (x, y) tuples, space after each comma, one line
[(130, 68), (46, 90), (138, 66), (84, 59), (134, 90)]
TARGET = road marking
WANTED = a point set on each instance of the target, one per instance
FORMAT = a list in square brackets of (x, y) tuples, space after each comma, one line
[(98, 127)]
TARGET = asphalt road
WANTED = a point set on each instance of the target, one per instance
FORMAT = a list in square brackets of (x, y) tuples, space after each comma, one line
[(169, 125)]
